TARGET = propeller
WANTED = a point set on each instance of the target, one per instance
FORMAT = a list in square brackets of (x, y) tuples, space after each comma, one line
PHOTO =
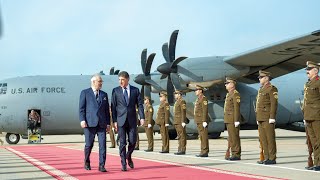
[(170, 67), (114, 72), (145, 78)]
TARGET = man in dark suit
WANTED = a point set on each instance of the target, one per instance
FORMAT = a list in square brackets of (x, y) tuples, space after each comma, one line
[(125, 100), (94, 119)]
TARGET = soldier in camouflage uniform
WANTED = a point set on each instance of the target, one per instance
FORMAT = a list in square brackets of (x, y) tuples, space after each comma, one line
[(266, 109), (179, 122), (149, 123), (163, 121), (232, 118), (311, 111)]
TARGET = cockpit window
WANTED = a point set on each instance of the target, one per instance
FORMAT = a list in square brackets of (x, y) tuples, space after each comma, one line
[(3, 88)]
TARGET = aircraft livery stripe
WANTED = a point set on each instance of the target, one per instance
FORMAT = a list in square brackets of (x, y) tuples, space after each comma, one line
[(44, 167)]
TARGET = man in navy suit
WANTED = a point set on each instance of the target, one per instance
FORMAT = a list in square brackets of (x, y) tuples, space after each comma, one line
[(125, 100), (94, 119)]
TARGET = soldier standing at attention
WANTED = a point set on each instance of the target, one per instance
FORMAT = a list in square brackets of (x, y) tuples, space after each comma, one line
[(180, 122), (163, 121), (266, 109), (311, 111), (201, 118), (232, 118), (149, 123)]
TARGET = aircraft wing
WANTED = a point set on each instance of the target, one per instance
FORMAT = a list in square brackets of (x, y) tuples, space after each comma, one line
[(279, 58)]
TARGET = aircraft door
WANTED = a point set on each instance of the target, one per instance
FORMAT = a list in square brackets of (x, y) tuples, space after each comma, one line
[(34, 126)]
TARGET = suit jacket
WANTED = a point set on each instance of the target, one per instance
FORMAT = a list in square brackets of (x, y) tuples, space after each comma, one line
[(93, 112), (121, 111)]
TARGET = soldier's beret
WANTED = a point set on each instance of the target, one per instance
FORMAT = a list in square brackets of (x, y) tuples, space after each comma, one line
[(230, 80), (264, 73), (311, 65)]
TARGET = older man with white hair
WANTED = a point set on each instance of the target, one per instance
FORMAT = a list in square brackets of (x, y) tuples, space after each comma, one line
[(94, 118)]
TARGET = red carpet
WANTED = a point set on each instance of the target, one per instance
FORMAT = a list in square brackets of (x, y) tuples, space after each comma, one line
[(64, 163)]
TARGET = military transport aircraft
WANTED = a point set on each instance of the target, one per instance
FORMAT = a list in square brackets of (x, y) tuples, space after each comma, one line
[(56, 97)]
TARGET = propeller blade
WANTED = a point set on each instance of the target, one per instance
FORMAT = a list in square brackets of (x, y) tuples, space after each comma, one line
[(116, 72), (175, 81), (186, 72), (154, 84), (163, 76), (111, 71), (142, 92), (177, 61), (147, 91), (143, 60), (165, 52), (172, 45), (170, 91), (149, 63)]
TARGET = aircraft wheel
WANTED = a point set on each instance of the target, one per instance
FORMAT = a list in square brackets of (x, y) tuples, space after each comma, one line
[(12, 138), (215, 135), (172, 135)]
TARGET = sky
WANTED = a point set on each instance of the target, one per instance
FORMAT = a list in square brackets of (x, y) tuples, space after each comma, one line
[(73, 37)]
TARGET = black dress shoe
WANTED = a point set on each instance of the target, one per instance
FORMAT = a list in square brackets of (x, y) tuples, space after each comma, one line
[(180, 153), (102, 169), (164, 152), (317, 168), (124, 168), (148, 150), (260, 162), (112, 147), (136, 148), (202, 155), (309, 168), (87, 166), (130, 163), (268, 162), (234, 158)]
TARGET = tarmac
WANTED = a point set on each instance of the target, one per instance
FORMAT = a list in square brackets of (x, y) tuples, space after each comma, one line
[(292, 155)]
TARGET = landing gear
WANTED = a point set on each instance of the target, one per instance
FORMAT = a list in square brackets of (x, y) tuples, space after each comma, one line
[(12, 138)]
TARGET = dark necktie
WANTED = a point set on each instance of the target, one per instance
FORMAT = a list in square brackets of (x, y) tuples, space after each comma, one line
[(97, 96), (125, 94)]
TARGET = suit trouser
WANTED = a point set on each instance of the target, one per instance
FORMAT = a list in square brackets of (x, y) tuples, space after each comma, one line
[(123, 131), (203, 133), (112, 139), (313, 128), (234, 139), (90, 133), (149, 133), (268, 139), (165, 137), (182, 137)]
